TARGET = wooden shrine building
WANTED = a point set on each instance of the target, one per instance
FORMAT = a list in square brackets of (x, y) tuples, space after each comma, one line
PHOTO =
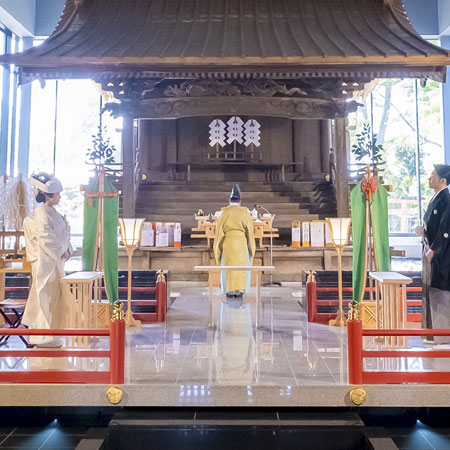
[(176, 65)]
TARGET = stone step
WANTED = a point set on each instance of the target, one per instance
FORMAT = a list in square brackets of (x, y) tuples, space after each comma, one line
[(178, 201), (249, 197), (215, 195), (292, 209), (233, 428), (300, 186), (205, 203)]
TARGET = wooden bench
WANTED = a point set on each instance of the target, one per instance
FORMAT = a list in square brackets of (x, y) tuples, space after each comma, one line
[(322, 301)]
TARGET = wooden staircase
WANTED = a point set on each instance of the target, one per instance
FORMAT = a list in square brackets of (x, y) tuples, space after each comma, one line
[(178, 201)]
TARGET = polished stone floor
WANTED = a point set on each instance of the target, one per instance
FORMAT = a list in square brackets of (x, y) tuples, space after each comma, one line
[(285, 351)]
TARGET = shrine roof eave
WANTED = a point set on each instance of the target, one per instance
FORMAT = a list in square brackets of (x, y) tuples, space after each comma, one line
[(276, 69), (307, 38)]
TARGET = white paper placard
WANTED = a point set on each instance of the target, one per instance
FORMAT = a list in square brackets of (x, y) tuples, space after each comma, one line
[(305, 234), (252, 133), (147, 238), (235, 130), (217, 133), (317, 234), (296, 234), (328, 241)]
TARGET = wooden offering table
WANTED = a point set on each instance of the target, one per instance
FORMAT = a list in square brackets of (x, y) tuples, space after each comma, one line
[(257, 270), (207, 230), (390, 304), (84, 307)]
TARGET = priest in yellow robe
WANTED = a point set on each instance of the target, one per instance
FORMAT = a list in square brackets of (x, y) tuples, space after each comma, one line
[(234, 245)]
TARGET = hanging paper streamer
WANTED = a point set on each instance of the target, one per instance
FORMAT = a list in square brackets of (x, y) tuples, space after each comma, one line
[(17, 201), (252, 133), (217, 133), (235, 131)]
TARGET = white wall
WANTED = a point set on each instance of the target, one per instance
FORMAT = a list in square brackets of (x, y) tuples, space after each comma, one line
[(423, 15), (444, 17), (47, 16), (31, 17), (18, 16)]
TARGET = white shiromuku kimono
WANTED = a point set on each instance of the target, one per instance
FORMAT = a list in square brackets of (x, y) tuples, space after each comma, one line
[(47, 238)]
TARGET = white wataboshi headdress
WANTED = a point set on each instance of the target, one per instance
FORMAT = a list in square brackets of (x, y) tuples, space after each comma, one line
[(46, 183)]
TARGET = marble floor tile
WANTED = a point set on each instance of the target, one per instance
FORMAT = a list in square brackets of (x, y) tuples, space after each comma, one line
[(285, 350)]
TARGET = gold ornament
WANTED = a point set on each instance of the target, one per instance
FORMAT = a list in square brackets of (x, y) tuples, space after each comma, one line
[(117, 311), (161, 278), (114, 395), (358, 396), (354, 311), (311, 276)]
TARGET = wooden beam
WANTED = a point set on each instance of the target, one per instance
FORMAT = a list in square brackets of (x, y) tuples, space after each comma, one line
[(128, 160), (174, 108), (341, 183)]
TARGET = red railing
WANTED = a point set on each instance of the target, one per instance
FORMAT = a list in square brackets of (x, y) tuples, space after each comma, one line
[(356, 355), (313, 291), (116, 355), (160, 302)]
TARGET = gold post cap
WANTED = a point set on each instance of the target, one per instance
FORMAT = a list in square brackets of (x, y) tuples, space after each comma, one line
[(117, 311), (311, 276), (161, 278), (354, 312)]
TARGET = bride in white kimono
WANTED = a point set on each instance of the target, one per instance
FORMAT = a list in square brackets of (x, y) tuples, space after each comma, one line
[(47, 238)]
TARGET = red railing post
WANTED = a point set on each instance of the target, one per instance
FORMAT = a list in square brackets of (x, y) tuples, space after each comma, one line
[(311, 296), (355, 349), (161, 297), (117, 346)]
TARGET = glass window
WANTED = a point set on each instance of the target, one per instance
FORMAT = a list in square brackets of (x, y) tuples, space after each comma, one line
[(42, 126), (2, 69), (75, 105), (391, 111)]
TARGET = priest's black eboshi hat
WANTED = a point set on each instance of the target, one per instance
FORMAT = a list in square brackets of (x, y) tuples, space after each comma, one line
[(235, 195), (443, 170)]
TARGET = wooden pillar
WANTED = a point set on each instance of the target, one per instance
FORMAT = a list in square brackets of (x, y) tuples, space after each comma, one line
[(128, 160), (307, 145), (325, 144), (341, 184)]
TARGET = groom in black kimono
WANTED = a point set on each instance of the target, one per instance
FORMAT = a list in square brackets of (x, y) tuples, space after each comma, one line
[(436, 282)]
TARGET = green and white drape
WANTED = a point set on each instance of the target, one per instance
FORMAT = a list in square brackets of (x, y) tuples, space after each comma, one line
[(380, 228), (110, 241)]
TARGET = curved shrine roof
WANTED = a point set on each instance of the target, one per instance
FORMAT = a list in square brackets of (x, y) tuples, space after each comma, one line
[(359, 38)]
